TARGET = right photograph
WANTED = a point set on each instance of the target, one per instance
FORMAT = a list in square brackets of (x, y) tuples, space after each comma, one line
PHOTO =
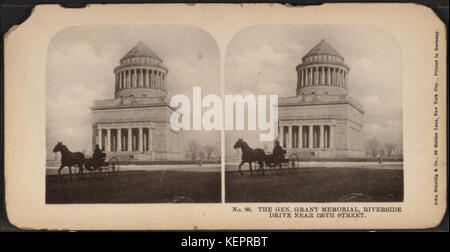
[(338, 118)]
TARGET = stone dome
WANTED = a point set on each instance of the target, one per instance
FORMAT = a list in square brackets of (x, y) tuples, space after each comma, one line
[(323, 48), (322, 71), (141, 74), (140, 50)]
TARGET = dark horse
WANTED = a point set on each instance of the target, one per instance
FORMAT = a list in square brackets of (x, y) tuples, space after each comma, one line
[(249, 155), (69, 158)]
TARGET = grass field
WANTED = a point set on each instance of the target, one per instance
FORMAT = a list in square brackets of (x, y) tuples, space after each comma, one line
[(184, 186), (317, 185), (136, 187)]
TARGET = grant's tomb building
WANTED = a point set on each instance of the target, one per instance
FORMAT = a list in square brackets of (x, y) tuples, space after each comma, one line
[(322, 120), (135, 124)]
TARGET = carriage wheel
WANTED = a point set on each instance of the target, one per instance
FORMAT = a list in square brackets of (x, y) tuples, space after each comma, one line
[(293, 164), (114, 165)]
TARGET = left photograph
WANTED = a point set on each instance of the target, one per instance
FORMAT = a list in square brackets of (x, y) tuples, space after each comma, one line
[(109, 136)]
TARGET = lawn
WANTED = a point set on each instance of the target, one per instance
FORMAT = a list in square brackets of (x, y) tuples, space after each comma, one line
[(136, 187), (317, 185)]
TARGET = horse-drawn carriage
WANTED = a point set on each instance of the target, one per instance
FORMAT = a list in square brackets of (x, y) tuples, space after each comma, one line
[(97, 165), (101, 165), (275, 162), (279, 163)]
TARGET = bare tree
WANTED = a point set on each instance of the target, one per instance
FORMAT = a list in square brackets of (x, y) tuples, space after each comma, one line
[(398, 150), (209, 150), (193, 148), (381, 151), (389, 148), (372, 147), (201, 154)]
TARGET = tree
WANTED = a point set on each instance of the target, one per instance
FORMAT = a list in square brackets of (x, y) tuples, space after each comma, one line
[(201, 154), (398, 151), (193, 148), (209, 150), (389, 148), (372, 147)]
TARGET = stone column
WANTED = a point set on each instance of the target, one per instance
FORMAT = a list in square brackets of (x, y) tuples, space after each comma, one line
[(281, 137), (129, 139), (159, 79), (300, 137), (146, 78), (328, 76), (331, 76), (123, 80), (164, 81), (140, 81), (317, 76), (131, 78), (320, 76), (99, 137), (128, 78), (310, 137), (322, 137), (140, 139), (331, 136), (144, 140), (345, 79), (152, 78), (310, 77), (306, 77), (337, 77), (150, 139), (119, 139), (116, 83), (289, 138), (108, 140), (302, 82), (120, 79), (323, 76), (314, 76)]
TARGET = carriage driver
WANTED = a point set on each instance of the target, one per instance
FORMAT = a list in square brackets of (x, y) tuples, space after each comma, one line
[(278, 152), (98, 154)]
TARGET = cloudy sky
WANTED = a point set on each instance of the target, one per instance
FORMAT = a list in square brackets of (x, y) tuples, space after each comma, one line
[(259, 60), (262, 60), (80, 67)]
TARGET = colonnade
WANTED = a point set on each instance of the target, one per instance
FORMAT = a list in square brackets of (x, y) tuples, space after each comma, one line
[(140, 78), (137, 139), (322, 76), (306, 136)]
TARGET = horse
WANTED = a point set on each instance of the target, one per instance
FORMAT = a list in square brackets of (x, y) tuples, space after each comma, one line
[(69, 158), (249, 155)]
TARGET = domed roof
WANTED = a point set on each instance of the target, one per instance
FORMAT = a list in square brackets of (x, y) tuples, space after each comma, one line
[(141, 49), (323, 48)]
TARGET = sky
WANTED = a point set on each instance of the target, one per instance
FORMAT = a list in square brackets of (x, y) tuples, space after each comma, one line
[(259, 60), (80, 65), (262, 59)]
